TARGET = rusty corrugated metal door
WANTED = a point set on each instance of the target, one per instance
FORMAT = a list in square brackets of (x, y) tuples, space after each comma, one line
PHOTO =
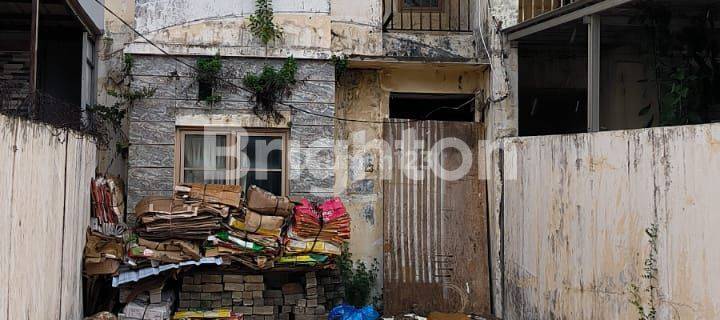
[(435, 234)]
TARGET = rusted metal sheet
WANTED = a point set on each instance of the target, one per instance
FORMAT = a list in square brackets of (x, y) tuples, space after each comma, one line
[(45, 208), (435, 240), (574, 210)]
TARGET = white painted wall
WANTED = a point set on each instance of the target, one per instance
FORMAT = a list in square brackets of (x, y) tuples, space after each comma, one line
[(44, 208), (575, 211)]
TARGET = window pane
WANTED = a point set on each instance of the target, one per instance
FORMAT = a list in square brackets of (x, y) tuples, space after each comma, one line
[(270, 181), (262, 152), (421, 3), (205, 176), (205, 151)]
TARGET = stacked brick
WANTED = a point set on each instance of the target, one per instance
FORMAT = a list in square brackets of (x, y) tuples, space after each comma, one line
[(308, 299)]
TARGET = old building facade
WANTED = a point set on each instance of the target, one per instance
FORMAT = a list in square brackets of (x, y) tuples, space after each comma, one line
[(394, 61)]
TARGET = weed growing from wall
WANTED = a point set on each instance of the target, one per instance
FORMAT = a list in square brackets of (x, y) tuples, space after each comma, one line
[(261, 22), (269, 86), (208, 78), (341, 65), (647, 311)]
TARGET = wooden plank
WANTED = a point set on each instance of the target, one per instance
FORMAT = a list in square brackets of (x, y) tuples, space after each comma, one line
[(80, 169), (37, 206), (8, 129), (38, 242)]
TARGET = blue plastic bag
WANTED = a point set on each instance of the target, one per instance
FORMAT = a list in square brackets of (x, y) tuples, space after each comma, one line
[(348, 312)]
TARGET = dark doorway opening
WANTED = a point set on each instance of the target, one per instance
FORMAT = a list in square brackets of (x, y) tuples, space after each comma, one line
[(439, 107)]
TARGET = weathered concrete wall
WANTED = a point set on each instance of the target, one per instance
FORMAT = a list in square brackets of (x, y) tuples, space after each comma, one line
[(110, 53), (153, 122), (575, 210), (357, 27), (431, 46), (502, 115), (501, 120), (313, 29), (365, 94), (205, 27), (45, 208), (358, 170)]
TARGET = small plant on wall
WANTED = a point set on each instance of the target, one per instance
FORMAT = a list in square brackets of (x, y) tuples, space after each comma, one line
[(261, 23), (269, 86), (208, 77), (647, 310)]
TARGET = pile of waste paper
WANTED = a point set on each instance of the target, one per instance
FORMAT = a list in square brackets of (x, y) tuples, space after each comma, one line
[(212, 227), (104, 248), (316, 231), (258, 231)]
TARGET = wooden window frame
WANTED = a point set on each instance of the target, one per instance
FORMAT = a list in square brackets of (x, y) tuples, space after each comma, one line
[(403, 8), (233, 134)]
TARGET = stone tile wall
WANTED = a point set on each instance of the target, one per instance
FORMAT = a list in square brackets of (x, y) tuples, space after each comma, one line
[(152, 125)]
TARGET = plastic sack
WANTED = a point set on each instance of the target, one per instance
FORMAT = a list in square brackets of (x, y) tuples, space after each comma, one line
[(348, 312)]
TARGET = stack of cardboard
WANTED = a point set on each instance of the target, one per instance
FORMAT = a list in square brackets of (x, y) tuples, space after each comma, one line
[(103, 254), (169, 251), (320, 230), (161, 218)]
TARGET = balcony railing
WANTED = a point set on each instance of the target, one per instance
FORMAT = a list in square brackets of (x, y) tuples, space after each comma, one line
[(429, 15), (532, 8)]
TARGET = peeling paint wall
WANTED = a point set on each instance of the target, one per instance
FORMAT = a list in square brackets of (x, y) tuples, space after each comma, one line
[(205, 27), (313, 29), (358, 170), (502, 115), (575, 210), (357, 27)]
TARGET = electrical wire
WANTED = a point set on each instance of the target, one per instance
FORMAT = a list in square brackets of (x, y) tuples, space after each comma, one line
[(292, 107)]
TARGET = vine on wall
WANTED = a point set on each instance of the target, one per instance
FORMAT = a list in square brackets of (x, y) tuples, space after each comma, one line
[(121, 88), (647, 311)]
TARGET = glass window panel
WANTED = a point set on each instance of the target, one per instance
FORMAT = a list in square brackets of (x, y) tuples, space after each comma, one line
[(262, 152), (205, 176), (270, 181), (205, 151)]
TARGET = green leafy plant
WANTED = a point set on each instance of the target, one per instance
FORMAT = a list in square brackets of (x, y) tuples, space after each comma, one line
[(121, 88), (269, 86), (112, 115), (208, 77), (686, 64), (650, 269), (261, 22), (341, 65), (357, 278)]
